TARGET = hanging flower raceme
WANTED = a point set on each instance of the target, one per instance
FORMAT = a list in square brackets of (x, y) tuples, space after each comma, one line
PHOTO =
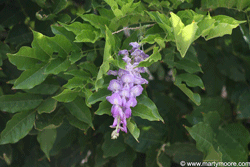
[(126, 87)]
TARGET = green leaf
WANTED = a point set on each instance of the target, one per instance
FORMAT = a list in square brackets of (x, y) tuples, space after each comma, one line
[(204, 137), (84, 32), (151, 157), (48, 87), (19, 102), (75, 82), (184, 35), (205, 26), (46, 138), (34, 158), (87, 36), (4, 49), (114, 7), (30, 78), (126, 158), (188, 66), (49, 121), (195, 97), (75, 56), (66, 135), (11, 15), (210, 104), (182, 151), (77, 123), (190, 79), (100, 95), (87, 94), (57, 65), (156, 56), (133, 129), (77, 27), (149, 137), (79, 109), (146, 109), (233, 137), (232, 4), (58, 29), (97, 21), (151, 38), (164, 23), (230, 137), (129, 7), (18, 127), (163, 160), (41, 3), (236, 72), (78, 73), (66, 96), (169, 56), (49, 46), (106, 59), (99, 159), (213, 155), (111, 147), (104, 108), (47, 106), (188, 16), (89, 66), (59, 5), (243, 107), (223, 25), (65, 18), (213, 119), (24, 59), (190, 62), (19, 35)]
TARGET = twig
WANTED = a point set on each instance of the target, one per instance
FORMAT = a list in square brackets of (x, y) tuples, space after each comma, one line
[(132, 28)]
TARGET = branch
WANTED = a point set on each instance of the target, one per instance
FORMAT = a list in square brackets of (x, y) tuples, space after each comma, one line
[(132, 28)]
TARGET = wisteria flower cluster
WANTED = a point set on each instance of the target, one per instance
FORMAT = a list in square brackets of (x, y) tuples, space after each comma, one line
[(126, 87)]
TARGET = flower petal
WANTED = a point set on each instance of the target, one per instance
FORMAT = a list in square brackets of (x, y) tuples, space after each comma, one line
[(131, 102), (135, 45), (136, 90), (115, 99), (127, 78), (114, 85)]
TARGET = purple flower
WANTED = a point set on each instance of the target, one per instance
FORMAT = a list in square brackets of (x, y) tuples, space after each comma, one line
[(131, 102), (114, 85), (124, 92), (126, 59), (126, 87), (123, 52), (127, 78), (136, 90), (140, 80), (114, 99), (137, 52), (135, 45), (128, 112)]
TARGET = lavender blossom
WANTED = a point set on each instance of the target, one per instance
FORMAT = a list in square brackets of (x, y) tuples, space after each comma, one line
[(126, 87)]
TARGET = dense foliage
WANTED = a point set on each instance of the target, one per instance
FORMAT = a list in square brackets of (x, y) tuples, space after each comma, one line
[(55, 56)]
